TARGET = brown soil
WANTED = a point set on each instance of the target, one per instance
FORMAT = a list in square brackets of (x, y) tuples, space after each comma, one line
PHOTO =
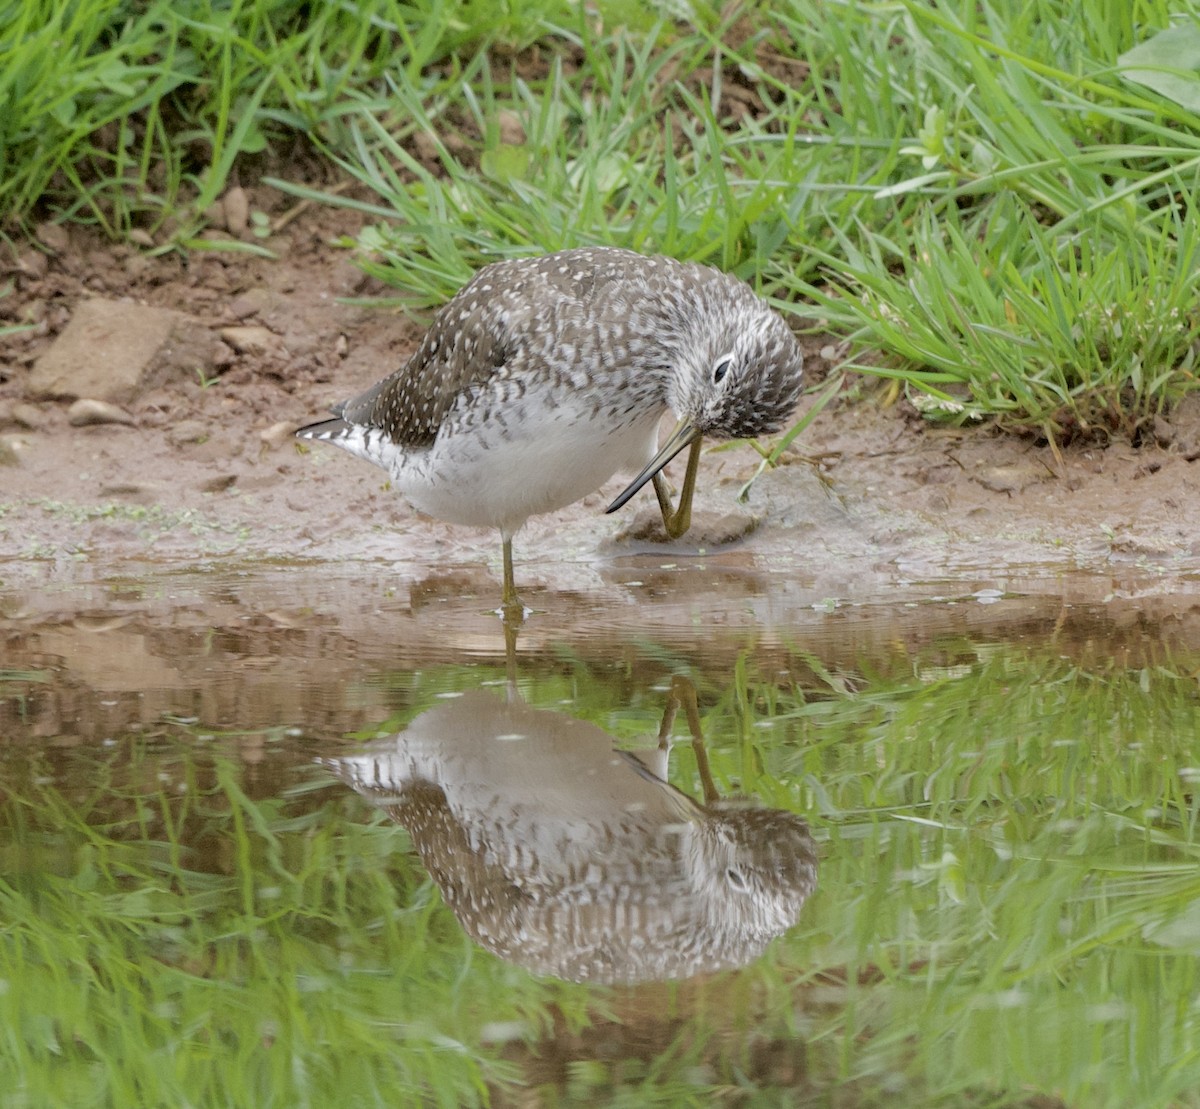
[(205, 474)]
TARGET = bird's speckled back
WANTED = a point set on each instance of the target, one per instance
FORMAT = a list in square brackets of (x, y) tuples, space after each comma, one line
[(578, 315)]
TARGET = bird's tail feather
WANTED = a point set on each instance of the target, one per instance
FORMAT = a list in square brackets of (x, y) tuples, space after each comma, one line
[(370, 443), (324, 429)]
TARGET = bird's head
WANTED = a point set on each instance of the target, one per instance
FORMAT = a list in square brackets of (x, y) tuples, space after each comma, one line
[(734, 367), (738, 373)]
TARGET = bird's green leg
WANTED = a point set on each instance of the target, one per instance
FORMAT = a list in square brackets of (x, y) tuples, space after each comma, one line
[(661, 764), (668, 722), (511, 609), (683, 695), (677, 520), (511, 631), (683, 691)]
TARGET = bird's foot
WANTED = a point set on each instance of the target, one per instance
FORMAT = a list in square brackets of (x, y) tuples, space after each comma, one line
[(513, 612)]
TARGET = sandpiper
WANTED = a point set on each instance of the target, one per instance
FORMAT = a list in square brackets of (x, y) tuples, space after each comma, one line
[(544, 376)]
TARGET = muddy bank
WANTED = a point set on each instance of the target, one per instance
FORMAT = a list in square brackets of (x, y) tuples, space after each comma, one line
[(201, 471)]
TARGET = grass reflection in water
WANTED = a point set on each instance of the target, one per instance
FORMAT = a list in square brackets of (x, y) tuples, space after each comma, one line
[(1007, 912)]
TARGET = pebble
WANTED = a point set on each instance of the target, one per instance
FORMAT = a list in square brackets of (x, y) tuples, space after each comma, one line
[(425, 145), (237, 210), (218, 484), (8, 452), (187, 431), (1164, 433), (28, 416), (709, 529), (250, 303), (53, 236), (512, 130), (33, 263), (85, 412), (1011, 479), (277, 434), (250, 339), (116, 350), (347, 279), (133, 490)]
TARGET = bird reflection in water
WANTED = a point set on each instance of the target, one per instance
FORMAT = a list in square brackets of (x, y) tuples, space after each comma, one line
[(572, 859)]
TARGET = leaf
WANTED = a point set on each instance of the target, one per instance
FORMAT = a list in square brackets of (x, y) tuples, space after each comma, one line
[(912, 184), (113, 75), (64, 112), (253, 141), (506, 162), (1180, 932), (1173, 60)]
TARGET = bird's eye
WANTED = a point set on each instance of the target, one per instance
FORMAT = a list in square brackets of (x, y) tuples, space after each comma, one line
[(722, 368)]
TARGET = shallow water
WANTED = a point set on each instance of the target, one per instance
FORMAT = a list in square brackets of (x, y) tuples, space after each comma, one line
[(271, 837)]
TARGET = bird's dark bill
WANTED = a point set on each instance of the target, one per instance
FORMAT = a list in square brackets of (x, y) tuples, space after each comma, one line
[(683, 436)]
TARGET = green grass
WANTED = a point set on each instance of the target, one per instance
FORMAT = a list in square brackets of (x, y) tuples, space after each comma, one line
[(1028, 250), (996, 214), (1024, 832), (132, 115), (1006, 906), (993, 201)]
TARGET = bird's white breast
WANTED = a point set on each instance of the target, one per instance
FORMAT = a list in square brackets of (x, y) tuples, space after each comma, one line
[(531, 457)]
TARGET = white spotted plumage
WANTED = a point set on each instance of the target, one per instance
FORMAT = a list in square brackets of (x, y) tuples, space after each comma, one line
[(545, 376)]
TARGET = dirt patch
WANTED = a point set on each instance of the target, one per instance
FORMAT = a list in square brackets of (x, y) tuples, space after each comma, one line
[(206, 469)]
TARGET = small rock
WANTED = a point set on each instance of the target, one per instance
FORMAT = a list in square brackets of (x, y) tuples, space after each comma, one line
[(512, 130), (8, 452), (222, 356), (34, 311), (708, 529), (300, 343), (86, 412), (252, 340), (136, 266), (237, 210), (277, 434), (1164, 433), (27, 416), (218, 484), (187, 432), (1150, 546), (711, 529), (936, 475), (1011, 479), (347, 279), (426, 146), (250, 303), (53, 236), (136, 491), (33, 263), (139, 236), (834, 352), (116, 350)]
